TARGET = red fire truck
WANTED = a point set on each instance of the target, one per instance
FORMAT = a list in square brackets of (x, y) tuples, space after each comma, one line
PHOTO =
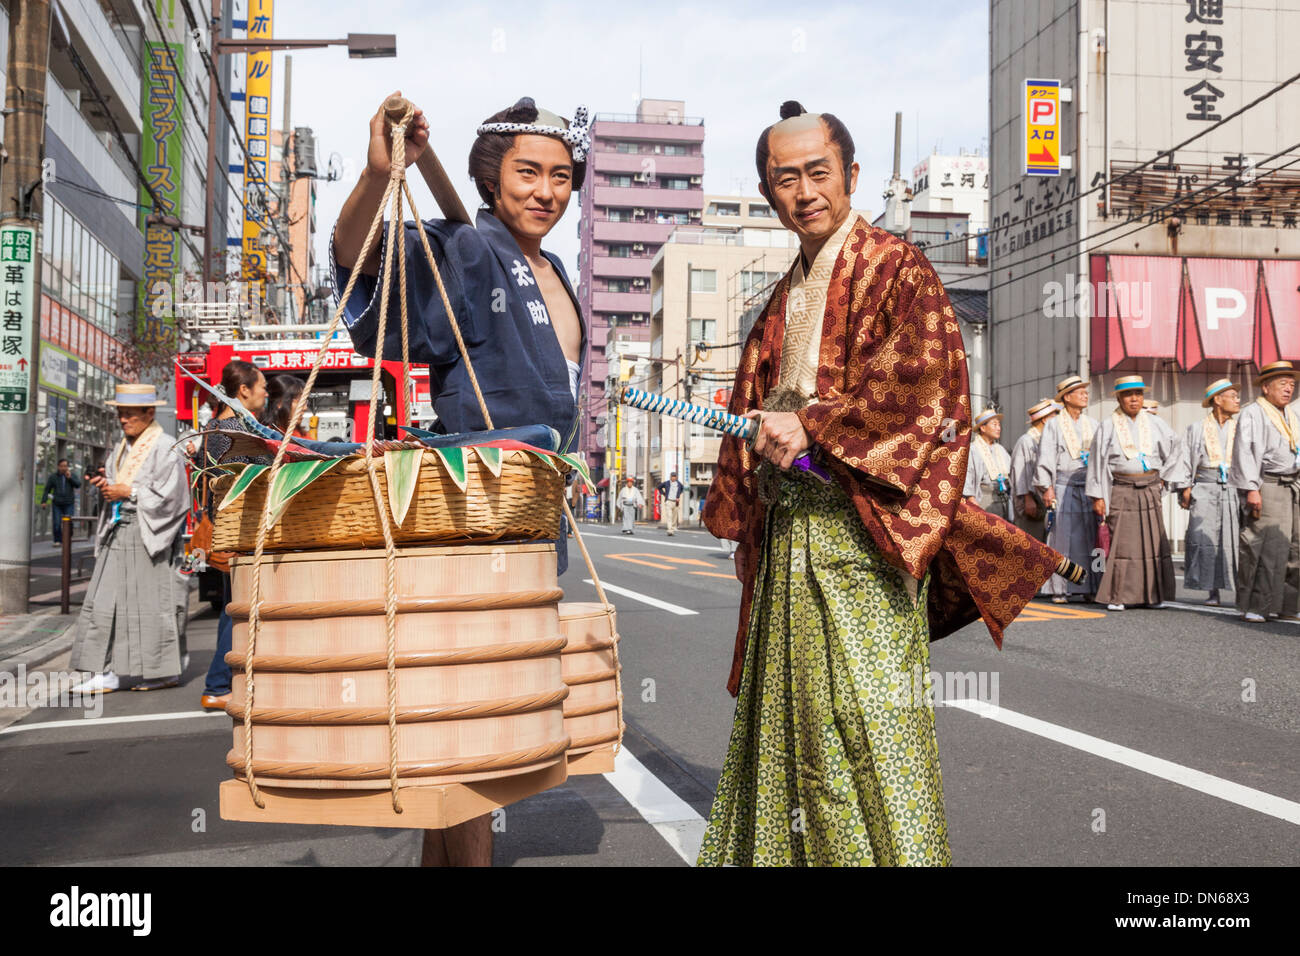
[(339, 404), (340, 399)]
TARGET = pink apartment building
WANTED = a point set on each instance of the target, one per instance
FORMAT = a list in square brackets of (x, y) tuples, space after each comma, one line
[(645, 177)]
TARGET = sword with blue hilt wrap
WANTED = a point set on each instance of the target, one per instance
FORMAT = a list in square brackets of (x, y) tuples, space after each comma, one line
[(725, 422)]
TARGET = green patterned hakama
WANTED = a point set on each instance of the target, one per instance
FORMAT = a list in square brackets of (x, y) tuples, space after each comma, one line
[(833, 759)]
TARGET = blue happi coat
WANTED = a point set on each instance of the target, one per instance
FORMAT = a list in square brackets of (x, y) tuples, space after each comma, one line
[(502, 317)]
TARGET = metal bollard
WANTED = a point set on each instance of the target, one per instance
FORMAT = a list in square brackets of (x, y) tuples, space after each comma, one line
[(65, 599)]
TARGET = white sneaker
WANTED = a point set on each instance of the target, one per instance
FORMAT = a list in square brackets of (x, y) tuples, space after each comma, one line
[(1160, 606), (1114, 607), (104, 683), (1253, 618)]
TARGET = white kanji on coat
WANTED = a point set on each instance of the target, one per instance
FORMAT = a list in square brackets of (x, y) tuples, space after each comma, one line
[(521, 274), (537, 309)]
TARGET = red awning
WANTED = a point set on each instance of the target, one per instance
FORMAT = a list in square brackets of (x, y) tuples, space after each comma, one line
[(1218, 315), (1277, 331), (1136, 301)]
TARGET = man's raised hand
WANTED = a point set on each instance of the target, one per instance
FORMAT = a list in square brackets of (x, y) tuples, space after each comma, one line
[(379, 156)]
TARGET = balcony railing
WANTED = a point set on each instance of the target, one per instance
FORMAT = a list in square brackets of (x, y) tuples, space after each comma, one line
[(665, 119)]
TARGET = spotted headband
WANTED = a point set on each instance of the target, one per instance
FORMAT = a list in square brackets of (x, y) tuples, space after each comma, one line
[(577, 134)]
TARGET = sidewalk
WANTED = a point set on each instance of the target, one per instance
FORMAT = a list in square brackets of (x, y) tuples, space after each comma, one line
[(30, 640)]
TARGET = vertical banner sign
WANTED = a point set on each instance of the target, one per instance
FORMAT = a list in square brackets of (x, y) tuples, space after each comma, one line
[(17, 278), (1042, 127), (163, 161), (257, 139)]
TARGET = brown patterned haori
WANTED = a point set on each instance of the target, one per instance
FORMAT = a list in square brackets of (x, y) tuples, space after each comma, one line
[(892, 420)]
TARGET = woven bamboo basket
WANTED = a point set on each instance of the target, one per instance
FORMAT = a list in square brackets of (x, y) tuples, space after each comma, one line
[(593, 715), (337, 510), (479, 681)]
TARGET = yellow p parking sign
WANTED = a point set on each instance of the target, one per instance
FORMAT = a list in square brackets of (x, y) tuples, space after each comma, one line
[(1042, 127)]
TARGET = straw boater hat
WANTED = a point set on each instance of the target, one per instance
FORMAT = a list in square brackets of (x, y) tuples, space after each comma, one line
[(1067, 385), (136, 396), (1129, 383), (1274, 370), (1222, 385), (987, 416), (1041, 409)]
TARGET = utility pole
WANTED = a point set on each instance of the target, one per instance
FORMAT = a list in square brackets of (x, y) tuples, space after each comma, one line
[(20, 209)]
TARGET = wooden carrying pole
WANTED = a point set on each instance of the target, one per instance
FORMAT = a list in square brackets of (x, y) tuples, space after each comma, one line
[(435, 177)]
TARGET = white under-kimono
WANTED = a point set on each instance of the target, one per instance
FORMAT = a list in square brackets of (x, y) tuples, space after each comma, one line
[(133, 619)]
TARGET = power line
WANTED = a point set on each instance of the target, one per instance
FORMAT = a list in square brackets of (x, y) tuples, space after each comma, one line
[(1173, 203), (1141, 226), (121, 139), (239, 139), (1105, 182)]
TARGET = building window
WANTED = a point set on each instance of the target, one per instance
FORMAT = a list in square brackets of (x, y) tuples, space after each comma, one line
[(674, 182), (704, 280), (618, 215), (724, 209), (619, 250), (620, 180), (671, 150), (622, 147), (761, 210), (618, 285), (703, 330), (751, 282), (671, 218)]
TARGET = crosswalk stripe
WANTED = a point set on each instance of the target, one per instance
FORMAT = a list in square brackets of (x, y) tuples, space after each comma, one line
[(1248, 797), (644, 598), (674, 818)]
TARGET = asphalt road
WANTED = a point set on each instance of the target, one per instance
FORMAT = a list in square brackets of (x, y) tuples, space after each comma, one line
[(1148, 737)]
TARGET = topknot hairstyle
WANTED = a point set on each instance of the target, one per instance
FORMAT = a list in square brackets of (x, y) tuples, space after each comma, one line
[(836, 130)]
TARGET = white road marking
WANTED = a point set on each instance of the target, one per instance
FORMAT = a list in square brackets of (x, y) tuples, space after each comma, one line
[(97, 721), (644, 598), (674, 818), (1234, 612), (1248, 797), (655, 541)]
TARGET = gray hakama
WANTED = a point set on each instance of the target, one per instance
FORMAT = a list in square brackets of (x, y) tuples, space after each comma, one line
[(130, 622), (1140, 566), (1268, 573), (133, 619), (1213, 522), (1024, 462), (1074, 528)]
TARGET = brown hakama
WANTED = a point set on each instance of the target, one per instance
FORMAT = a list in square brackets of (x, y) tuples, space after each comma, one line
[(1140, 568)]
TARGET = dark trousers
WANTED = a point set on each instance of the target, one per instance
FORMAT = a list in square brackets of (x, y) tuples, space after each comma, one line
[(218, 681), (58, 510)]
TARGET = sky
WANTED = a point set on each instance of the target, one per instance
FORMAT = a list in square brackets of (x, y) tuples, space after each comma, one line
[(732, 63)]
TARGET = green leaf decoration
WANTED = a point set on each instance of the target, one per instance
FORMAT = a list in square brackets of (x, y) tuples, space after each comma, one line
[(581, 467), (490, 457), (545, 458), (402, 468), (246, 478), (453, 459), (293, 478)]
